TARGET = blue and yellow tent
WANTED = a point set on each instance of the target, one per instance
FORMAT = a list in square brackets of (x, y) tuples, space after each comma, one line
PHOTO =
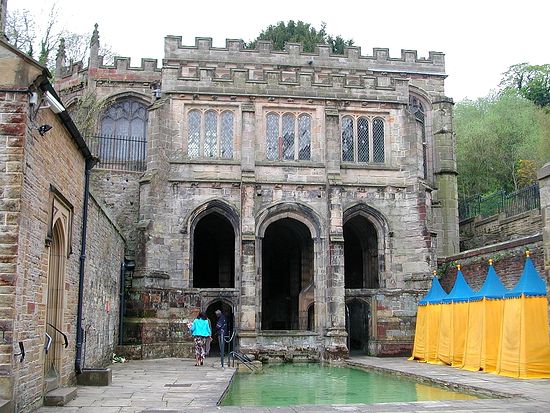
[(427, 324), (454, 322), (484, 324), (524, 344)]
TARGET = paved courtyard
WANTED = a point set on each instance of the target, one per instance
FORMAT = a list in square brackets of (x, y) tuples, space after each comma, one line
[(177, 386)]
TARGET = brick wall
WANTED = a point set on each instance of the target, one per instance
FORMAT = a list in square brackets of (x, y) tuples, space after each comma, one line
[(509, 258)]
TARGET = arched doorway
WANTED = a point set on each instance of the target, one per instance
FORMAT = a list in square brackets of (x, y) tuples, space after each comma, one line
[(360, 253), (213, 252), (357, 325), (227, 310), (287, 275), (55, 307)]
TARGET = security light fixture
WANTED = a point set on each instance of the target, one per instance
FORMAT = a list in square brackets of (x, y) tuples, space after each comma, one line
[(42, 129), (55, 105)]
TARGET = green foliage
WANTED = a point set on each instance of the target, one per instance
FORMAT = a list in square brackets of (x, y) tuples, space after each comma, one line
[(300, 32), (531, 81), (493, 135), (85, 112)]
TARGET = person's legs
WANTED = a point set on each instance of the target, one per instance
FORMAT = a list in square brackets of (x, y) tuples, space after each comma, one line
[(222, 345)]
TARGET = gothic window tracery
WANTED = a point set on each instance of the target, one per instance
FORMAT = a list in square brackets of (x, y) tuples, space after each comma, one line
[(288, 136), (363, 139), (210, 133), (417, 109)]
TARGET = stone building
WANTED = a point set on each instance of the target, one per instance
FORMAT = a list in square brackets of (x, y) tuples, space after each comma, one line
[(307, 195), (58, 300)]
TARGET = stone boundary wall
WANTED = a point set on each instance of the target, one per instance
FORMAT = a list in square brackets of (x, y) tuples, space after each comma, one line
[(104, 257), (509, 258), (476, 232)]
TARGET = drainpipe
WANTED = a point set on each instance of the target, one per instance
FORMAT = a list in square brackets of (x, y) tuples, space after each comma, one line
[(79, 329)]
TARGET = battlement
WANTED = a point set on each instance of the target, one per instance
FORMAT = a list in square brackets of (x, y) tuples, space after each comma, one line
[(293, 55), (120, 66)]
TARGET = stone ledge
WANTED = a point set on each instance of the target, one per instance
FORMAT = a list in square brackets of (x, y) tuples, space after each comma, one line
[(60, 397), (95, 377), (6, 406)]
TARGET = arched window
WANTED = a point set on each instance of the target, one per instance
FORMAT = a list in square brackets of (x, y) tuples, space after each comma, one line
[(288, 138), (210, 134), (417, 109), (121, 143), (362, 143)]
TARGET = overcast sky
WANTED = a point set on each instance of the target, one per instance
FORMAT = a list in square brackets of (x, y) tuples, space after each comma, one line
[(480, 38)]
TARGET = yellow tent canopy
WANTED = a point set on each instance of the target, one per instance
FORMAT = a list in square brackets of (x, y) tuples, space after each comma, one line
[(454, 322), (484, 324), (427, 324), (525, 345)]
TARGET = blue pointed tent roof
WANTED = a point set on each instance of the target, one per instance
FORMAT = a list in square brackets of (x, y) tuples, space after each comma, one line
[(492, 288), (461, 291), (530, 283), (435, 295)]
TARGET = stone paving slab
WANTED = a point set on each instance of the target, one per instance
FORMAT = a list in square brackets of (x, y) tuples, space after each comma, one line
[(177, 386)]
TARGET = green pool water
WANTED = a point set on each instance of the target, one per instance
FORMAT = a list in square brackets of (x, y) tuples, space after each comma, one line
[(295, 384)]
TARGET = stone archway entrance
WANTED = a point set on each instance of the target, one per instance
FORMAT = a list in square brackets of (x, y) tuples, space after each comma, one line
[(227, 310), (357, 325), (360, 253), (54, 308), (287, 276), (214, 252)]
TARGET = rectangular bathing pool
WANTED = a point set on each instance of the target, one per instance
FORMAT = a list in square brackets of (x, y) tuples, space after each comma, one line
[(298, 384)]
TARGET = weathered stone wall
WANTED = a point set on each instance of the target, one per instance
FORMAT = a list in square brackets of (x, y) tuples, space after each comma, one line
[(104, 258), (543, 176), (477, 232), (118, 192)]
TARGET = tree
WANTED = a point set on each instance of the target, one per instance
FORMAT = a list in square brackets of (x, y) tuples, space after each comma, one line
[(531, 81), (494, 134), (300, 32), (23, 32)]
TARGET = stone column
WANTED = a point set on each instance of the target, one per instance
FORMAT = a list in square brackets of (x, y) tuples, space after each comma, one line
[(543, 176), (248, 301), (335, 324), (445, 176)]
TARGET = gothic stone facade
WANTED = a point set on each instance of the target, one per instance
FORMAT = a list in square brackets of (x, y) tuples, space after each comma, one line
[(307, 195)]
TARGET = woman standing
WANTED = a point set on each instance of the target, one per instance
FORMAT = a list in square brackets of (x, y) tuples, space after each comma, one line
[(200, 329)]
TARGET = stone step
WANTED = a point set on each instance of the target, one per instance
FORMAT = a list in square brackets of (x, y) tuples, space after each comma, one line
[(6, 406), (60, 397)]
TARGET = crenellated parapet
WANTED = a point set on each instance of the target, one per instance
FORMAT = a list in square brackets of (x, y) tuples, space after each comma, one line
[(235, 70)]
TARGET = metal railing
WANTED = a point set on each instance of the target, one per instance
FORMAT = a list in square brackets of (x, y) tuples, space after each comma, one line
[(525, 199), (123, 153)]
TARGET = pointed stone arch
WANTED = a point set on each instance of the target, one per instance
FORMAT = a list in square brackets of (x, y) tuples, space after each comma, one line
[(365, 246), (214, 245)]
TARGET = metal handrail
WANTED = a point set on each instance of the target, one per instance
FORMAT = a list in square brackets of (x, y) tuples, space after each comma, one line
[(48, 343), (62, 333), (243, 359), (21, 351)]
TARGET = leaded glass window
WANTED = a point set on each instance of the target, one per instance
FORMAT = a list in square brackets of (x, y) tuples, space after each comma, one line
[(210, 134), (288, 138), (122, 132), (226, 139), (347, 139), (304, 133), (378, 140), (194, 137), (272, 139), (362, 139)]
